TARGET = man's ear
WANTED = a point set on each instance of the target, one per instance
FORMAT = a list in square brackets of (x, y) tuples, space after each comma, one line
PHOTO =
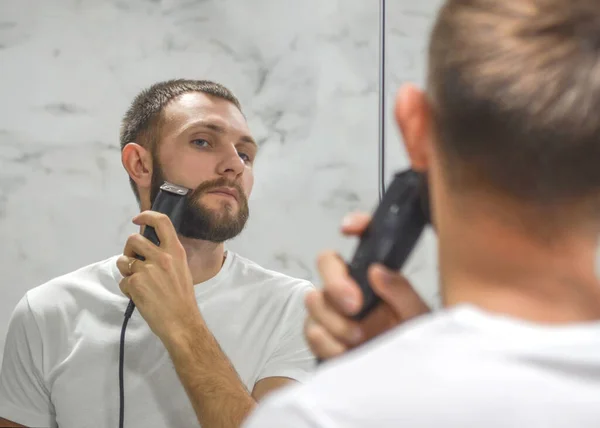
[(137, 161), (413, 114)]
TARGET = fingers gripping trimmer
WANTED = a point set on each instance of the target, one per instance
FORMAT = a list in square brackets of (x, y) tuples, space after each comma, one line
[(170, 200)]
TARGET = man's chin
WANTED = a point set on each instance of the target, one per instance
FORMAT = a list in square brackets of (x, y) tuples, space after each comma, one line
[(220, 207), (222, 216)]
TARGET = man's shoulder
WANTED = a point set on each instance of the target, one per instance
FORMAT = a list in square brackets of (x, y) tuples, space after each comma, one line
[(74, 285), (254, 273), (393, 378)]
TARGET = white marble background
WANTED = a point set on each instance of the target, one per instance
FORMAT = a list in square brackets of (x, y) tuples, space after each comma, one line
[(305, 71)]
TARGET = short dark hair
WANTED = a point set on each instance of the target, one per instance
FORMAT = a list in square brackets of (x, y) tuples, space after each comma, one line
[(515, 93), (141, 123)]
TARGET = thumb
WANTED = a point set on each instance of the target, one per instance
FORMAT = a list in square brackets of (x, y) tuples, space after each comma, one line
[(397, 292)]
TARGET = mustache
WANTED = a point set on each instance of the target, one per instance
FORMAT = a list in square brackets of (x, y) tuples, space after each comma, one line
[(215, 184)]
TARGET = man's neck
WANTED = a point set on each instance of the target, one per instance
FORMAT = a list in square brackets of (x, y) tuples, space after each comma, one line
[(205, 259), (504, 270)]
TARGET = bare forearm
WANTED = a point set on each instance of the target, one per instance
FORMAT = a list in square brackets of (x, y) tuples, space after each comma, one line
[(7, 423), (217, 394)]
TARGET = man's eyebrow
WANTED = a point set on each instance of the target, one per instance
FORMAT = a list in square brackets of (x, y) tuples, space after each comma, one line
[(221, 130)]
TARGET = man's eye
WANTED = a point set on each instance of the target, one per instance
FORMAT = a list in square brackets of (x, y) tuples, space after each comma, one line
[(244, 157), (200, 143)]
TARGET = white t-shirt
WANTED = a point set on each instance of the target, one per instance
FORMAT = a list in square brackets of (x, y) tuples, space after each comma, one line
[(61, 356), (456, 368)]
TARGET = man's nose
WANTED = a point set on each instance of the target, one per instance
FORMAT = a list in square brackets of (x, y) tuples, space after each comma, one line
[(231, 164)]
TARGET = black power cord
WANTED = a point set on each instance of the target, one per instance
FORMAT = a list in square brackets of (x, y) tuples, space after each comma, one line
[(381, 98), (381, 174), (128, 313)]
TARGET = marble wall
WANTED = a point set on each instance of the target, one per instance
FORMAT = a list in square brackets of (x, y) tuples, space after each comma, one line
[(306, 73)]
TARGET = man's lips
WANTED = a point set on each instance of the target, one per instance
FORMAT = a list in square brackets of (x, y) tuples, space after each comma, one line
[(228, 191)]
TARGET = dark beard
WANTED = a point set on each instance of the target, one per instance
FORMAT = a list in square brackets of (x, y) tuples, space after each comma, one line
[(200, 222)]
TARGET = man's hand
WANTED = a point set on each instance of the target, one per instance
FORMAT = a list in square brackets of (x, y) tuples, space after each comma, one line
[(329, 328), (161, 286)]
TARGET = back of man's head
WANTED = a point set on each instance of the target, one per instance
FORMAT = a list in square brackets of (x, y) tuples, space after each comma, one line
[(515, 93)]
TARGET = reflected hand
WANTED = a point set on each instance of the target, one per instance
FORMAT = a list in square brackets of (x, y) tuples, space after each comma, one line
[(329, 328), (160, 286)]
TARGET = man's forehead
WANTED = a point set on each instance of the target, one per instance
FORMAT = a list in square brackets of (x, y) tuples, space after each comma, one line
[(197, 100), (197, 106), (193, 103)]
